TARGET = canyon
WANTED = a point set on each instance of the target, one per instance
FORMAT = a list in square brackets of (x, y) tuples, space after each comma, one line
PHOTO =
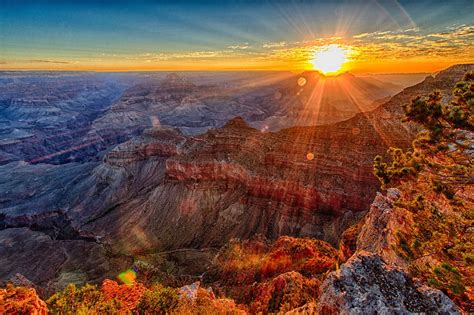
[(166, 190), (60, 118)]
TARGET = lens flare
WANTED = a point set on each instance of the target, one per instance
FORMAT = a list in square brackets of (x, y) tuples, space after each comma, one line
[(301, 81), (128, 277), (330, 59)]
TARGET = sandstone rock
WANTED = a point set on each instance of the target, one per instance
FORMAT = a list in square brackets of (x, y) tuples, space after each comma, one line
[(379, 232), (283, 293), (190, 291), (348, 242), (367, 285)]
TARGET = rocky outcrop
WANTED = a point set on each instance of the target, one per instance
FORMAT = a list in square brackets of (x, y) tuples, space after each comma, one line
[(285, 292), (367, 285), (348, 241), (383, 222)]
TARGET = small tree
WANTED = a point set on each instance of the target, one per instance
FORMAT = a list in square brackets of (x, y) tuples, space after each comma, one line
[(435, 178), (444, 148)]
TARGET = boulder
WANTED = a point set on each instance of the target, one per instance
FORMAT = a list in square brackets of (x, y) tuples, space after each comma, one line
[(365, 284)]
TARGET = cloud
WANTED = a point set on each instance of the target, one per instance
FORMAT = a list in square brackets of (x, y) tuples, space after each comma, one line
[(151, 57), (452, 43), (274, 45), (457, 31), (48, 61), (244, 46)]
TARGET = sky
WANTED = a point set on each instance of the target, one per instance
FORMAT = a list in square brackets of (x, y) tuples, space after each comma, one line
[(378, 36)]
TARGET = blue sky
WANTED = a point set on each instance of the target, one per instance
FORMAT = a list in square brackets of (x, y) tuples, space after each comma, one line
[(89, 31)]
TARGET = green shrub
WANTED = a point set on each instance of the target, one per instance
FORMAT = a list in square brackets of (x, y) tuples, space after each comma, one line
[(158, 300), (83, 300)]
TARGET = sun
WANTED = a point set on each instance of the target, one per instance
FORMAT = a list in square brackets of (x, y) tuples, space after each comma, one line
[(330, 59)]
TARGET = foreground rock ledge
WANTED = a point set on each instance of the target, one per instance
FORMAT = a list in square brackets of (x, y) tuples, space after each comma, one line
[(367, 285)]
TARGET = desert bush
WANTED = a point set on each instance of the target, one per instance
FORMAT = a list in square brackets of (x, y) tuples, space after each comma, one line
[(158, 300), (20, 300)]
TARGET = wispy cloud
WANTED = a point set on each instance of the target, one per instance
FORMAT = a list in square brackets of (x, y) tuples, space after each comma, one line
[(49, 61), (455, 42), (274, 45), (185, 55), (402, 45), (457, 31), (244, 46)]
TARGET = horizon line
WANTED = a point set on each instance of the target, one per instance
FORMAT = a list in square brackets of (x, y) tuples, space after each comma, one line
[(234, 70)]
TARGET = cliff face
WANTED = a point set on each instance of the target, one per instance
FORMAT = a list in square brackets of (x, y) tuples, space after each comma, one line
[(235, 182)]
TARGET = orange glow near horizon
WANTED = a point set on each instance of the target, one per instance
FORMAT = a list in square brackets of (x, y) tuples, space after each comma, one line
[(330, 59)]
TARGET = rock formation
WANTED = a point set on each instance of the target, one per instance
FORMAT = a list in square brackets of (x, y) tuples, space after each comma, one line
[(43, 117), (52, 264), (367, 285), (164, 190), (382, 223)]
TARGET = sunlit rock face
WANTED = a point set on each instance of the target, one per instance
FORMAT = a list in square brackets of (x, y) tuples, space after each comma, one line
[(237, 181), (381, 226)]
